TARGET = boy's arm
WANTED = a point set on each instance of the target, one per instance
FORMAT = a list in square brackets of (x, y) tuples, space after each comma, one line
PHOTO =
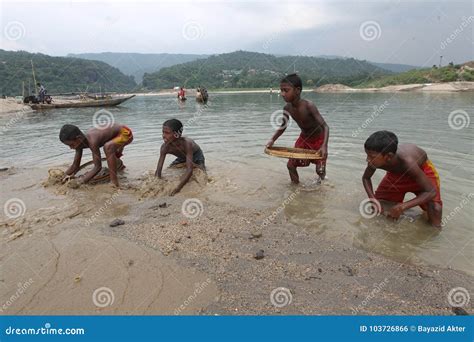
[(75, 164), (281, 129), (96, 158), (161, 161), (367, 182), (189, 168), (428, 190), (319, 119)]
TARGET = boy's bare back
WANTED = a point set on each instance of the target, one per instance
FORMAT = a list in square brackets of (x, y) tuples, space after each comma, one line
[(409, 156), (97, 137)]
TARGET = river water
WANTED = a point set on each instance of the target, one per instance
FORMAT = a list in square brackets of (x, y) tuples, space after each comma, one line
[(233, 129)]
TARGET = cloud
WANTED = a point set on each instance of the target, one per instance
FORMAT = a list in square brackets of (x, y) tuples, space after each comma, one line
[(410, 31)]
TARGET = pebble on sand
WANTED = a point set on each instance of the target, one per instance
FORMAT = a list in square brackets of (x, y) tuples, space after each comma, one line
[(116, 222)]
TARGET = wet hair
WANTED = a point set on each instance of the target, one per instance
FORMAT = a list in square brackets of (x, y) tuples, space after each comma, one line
[(294, 80), (175, 125), (69, 132), (382, 141)]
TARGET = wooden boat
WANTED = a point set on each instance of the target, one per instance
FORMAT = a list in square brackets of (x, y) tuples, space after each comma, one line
[(80, 104), (293, 153)]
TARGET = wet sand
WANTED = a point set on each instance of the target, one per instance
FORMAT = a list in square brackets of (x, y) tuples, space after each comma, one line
[(416, 87), (10, 105), (190, 254)]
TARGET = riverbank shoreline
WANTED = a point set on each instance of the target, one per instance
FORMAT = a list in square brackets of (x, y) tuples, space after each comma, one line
[(447, 87), (216, 259)]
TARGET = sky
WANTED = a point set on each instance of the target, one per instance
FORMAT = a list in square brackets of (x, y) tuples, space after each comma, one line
[(392, 31)]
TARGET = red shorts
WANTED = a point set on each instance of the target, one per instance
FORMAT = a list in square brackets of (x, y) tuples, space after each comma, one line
[(309, 143), (124, 138), (393, 187)]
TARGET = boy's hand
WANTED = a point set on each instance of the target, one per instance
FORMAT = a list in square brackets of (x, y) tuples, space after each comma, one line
[(66, 178), (396, 211), (174, 192), (270, 143), (376, 206), (324, 152)]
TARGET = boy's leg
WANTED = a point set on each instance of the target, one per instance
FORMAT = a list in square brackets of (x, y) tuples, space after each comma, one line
[(110, 149), (435, 212), (293, 173)]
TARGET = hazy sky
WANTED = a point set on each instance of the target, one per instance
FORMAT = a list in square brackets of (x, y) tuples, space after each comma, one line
[(408, 32)]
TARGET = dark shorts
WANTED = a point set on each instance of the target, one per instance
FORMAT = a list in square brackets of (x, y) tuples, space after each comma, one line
[(198, 159)]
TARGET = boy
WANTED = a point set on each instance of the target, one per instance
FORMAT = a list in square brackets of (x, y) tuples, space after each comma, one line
[(314, 130), (408, 170), (185, 149), (113, 138)]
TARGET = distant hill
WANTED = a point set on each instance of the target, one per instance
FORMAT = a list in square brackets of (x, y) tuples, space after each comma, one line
[(243, 69), (450, 73), (137, 64), (387, 66), (395, 67), (59, 74)]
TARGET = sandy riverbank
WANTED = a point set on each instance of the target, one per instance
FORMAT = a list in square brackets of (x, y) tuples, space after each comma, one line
[(11, 105), (427, 87), (163, 262)]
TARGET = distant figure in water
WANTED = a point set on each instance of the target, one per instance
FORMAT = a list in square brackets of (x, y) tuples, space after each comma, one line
[(185, 149), (314, 130), (113, 138), (408, 170), (182, 94)]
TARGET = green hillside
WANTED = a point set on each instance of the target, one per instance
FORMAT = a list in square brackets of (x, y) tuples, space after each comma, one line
[(136, 64), (450, 73), (59, 74), (242, 69)]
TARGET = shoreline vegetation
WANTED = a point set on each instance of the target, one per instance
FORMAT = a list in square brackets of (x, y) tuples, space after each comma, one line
[(12, 105)]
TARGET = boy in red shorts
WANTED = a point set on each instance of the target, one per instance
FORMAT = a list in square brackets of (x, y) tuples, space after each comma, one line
[(314, 130), (408, 170)]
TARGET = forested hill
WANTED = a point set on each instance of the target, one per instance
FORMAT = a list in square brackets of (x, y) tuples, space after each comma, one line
[(59, 74), (242, 69)]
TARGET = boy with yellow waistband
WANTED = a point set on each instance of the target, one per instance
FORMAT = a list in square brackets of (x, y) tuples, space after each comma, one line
[(113, 138), (408, 170)]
